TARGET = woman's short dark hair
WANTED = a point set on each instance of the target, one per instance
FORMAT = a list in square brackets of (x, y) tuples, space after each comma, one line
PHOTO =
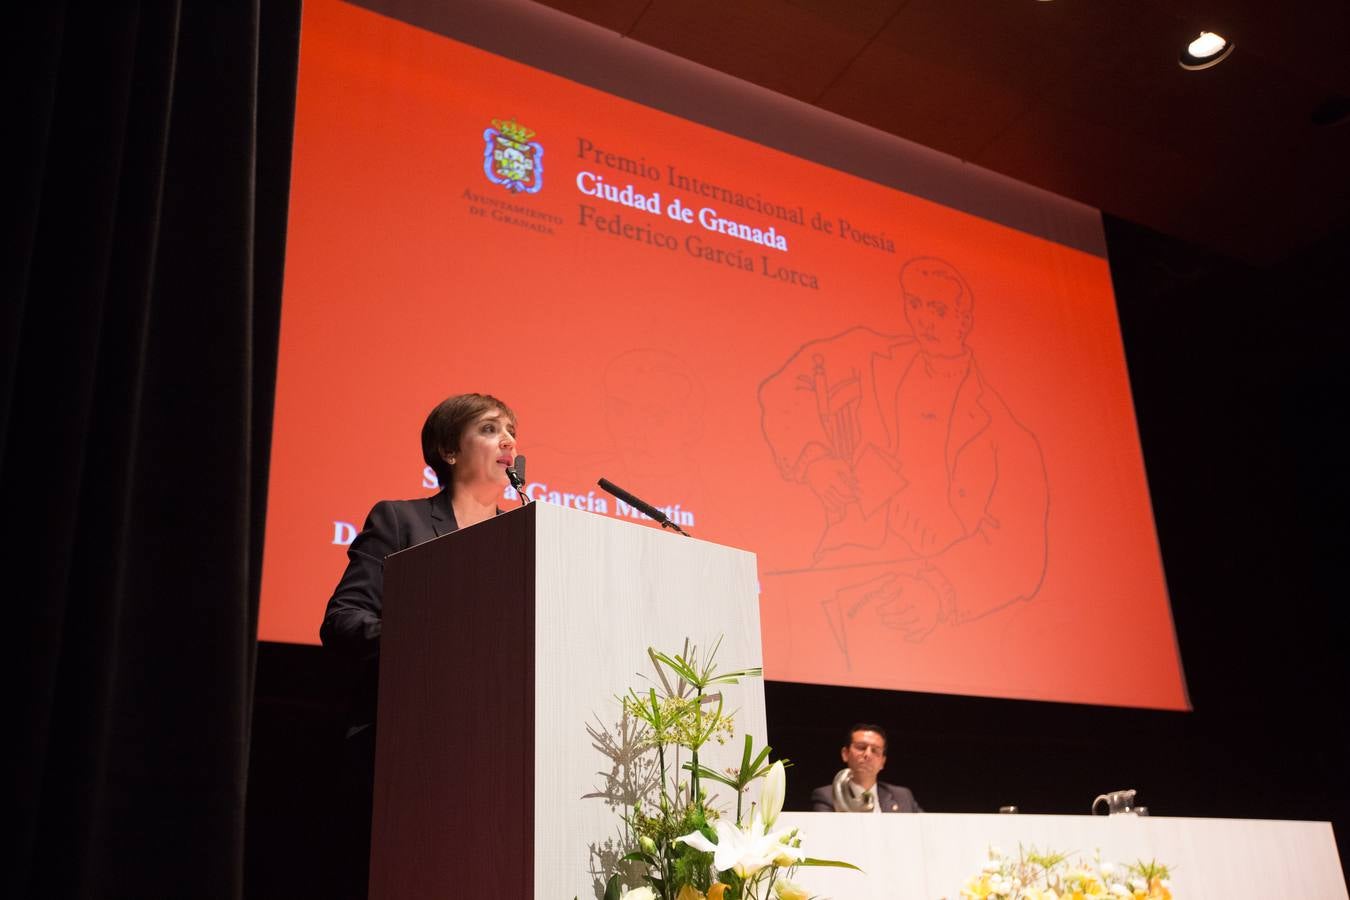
[(445, 426)]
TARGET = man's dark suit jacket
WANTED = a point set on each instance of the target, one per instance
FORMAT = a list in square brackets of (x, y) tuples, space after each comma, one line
[(892, 797), (351, 623)]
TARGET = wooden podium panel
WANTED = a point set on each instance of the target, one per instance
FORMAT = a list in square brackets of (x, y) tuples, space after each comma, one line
[(501, 644)]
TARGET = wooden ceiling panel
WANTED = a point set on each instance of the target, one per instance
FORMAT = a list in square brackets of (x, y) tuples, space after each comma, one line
[(616, 15), (795, 48), (1241, 102), (1030, 47), (1306, 40), (1091, 160), (947, 108), (1082, 98)]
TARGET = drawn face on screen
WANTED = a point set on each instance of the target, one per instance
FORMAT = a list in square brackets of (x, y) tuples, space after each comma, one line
[(651, 410), (938, 306), (487, 448)]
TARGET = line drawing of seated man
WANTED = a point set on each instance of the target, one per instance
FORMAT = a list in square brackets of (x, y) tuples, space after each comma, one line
[(916, 462)]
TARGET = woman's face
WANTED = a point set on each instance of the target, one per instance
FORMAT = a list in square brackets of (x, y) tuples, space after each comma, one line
[(487, 448)]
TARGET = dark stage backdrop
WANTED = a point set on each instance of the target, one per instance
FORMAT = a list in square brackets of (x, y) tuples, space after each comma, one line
[(1239, 382), (145, 212)]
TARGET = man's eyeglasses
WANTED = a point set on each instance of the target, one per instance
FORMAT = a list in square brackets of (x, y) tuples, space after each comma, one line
[(877, 749)]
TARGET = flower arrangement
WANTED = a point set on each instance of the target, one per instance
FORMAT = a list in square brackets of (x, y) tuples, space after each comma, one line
[(1033, 875), (679, 845)]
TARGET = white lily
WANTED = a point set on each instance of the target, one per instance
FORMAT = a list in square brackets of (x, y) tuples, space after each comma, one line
[(746, 850), (772, 794), (642, 893)]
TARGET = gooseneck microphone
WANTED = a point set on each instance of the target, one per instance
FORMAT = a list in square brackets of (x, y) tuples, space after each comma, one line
[(640, 505), (516, 473)]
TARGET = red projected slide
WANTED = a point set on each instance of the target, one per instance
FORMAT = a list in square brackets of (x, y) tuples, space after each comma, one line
[(918, 419)]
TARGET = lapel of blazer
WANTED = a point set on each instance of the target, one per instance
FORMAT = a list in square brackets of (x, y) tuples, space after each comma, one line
[(442, 514), (887, 798)]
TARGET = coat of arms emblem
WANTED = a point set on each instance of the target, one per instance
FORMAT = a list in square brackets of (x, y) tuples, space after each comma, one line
[(511, 159)]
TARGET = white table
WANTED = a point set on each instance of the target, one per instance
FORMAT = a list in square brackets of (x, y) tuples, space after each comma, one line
[(931, 855)]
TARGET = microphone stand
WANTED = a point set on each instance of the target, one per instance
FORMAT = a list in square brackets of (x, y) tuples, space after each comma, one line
[(518, 482), (640, 505)]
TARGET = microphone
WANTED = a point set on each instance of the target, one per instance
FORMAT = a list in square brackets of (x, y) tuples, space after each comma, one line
[(516, 473), (640, 505)]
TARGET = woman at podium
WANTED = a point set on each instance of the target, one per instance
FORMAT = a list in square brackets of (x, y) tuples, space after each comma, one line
[(469, 441)]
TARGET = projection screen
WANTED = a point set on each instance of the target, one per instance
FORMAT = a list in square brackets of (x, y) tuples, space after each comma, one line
[(898, 379)]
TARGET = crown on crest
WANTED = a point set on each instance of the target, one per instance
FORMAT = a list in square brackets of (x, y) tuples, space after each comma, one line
[(513, 129)]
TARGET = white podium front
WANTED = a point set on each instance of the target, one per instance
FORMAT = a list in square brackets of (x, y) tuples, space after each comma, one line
[(931, 855), (502, 645)]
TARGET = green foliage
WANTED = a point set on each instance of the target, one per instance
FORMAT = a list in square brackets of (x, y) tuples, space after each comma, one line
[(740, 779), (830, 863), (749, 769), (678, 714), (678, 863), (1150, 870), (1046, 860), (666, 718), (662, 826), (702, 674)]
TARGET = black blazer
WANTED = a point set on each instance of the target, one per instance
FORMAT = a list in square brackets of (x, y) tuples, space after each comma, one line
[(892, 797), (351, 623)]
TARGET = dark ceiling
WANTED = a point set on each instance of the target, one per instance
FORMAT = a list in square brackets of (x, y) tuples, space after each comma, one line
[(1081, 97)]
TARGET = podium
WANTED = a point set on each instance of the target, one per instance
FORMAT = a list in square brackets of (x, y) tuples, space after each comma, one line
[(505, 646)]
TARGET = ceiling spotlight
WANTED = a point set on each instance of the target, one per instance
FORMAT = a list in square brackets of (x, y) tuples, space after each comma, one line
[(1209, 49)]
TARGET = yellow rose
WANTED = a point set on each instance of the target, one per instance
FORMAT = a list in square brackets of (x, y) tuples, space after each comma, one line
[(716, 891), (689, 892), (786, 890)]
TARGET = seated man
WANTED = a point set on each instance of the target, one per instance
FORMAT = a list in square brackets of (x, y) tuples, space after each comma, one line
[(859, 790)]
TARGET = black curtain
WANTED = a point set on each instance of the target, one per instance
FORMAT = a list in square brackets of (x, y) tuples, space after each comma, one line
[(146, 218)]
